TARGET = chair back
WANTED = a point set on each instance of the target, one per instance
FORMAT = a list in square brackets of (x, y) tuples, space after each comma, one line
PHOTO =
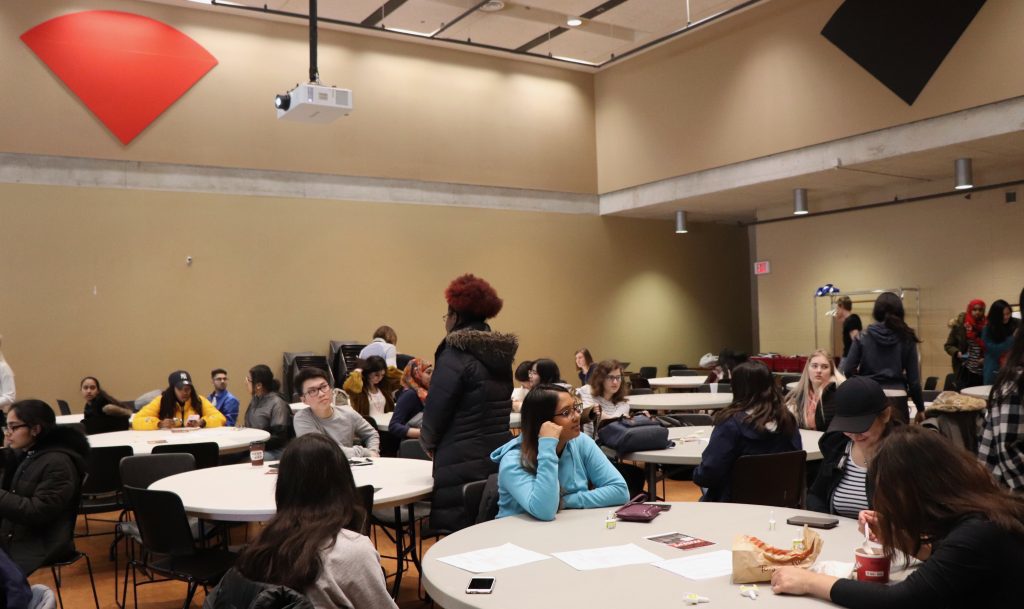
[(716, 387), (163, 524), (412, 449), (686, 372), (235, 591), (489, 500), (471, 494), (103, 469), (638, 382), (929, 395), (207, 454), (689, 419), (142, 470), (672, 367), (366, 498), (640, 391), (950, 383), (931, 382), (350, 353), (648, 372), (776, 479), (64, 407), (104, 424)]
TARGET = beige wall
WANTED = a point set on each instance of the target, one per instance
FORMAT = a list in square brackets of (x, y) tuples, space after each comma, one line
[(766, 81), (421, 112), (953, 249), (273, 275)]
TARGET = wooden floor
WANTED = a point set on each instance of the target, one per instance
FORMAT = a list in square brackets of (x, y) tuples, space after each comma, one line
[(167, 595)]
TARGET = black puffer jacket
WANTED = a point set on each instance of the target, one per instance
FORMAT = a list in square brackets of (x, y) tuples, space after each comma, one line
[(466, 414), (235, 591), (39, 498)]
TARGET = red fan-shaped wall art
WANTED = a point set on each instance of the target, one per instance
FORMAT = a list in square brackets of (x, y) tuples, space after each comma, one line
[(126, 68)]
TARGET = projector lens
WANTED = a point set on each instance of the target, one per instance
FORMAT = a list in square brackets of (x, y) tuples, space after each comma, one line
[(283, 101)]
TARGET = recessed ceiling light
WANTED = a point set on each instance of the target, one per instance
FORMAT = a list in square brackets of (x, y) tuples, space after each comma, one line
[(492, 6), (574, 22)]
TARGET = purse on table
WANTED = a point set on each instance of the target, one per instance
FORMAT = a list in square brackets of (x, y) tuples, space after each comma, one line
[(638, 511)]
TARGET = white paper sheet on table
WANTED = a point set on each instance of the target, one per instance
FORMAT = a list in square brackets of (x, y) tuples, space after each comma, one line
[(606, 557), (701, 566), (493, 559)]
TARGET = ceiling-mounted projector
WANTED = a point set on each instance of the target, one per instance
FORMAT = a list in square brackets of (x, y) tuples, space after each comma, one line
[(313, 103)]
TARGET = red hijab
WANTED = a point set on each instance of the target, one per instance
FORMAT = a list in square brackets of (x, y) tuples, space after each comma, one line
[(973, 326)]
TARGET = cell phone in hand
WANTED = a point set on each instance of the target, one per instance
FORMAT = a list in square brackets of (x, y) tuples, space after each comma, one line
[(480, 585), (815, 522)]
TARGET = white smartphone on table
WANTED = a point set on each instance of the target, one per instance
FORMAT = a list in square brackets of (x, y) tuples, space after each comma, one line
[(480, 585)]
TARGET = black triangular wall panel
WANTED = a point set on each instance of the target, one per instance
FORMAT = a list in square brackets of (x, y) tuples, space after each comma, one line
[(900, 42)]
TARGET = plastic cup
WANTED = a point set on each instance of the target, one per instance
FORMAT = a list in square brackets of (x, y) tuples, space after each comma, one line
[(256, 452), (871, 566)]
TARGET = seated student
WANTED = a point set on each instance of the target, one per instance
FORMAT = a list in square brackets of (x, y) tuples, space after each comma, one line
[(606, 390), (371, 387), (343, 425), (723, 366), (44, 465), (267, 410), (222, 399), (756, 423), (584, 365), (545, 371), (408, 416), (522, 375), (550, 465), (178, 406), (811, 399), (863, 417), (313, 544), (103, 413), (382, 345), (935, 502), (1001, 445)]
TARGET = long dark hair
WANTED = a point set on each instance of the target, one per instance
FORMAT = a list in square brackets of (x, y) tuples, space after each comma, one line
[(374, 363), (917, 505), (36, 412), (261, 374), (316, 498), (888, 310), (538, 408), (1011, 378), (547, 371), (754, 391), (169, 402), (100, 391), (997, 330)]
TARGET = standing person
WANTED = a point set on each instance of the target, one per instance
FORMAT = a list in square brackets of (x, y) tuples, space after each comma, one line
[(811, 399), (221, 398), (180, 405), (1001, 447), (7, 389), (371, 387), (466, 415), (887, 353), (584, 365), (998, 336), (44, 465), (268, 410), (408, 416), (756, 423), (343, 425), (382, 345), (932, 501), (965, 345), (851, 325), (313, 544)]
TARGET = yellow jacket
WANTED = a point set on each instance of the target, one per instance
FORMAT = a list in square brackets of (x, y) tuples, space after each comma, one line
[(149, 416)]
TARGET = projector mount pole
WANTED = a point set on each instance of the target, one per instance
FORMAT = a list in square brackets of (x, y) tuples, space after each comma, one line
[(314, 72)]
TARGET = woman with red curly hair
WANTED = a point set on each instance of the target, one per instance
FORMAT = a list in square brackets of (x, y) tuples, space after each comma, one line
[(467, 409)]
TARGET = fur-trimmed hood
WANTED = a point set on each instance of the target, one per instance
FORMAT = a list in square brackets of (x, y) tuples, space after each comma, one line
[(67, 440), (496, 350), (957, 321)]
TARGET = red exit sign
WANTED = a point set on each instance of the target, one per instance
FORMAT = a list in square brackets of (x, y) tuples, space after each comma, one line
[(762, 267)]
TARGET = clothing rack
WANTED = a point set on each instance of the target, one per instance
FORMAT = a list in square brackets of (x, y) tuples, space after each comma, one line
[(902, 292)]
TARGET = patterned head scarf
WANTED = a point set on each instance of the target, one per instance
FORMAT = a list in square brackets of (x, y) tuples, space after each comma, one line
[(412, 377)]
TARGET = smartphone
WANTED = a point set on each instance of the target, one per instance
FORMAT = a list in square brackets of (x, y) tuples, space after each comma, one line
[(664, 507), (480, 585), (815, 522)]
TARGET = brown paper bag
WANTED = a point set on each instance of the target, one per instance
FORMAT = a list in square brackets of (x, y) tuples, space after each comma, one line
[(754, 561)]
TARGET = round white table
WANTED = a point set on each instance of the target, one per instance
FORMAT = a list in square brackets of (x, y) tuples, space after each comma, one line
[(679, 401), (245, 493), (228, 439), (677, 382), (690, 445), (70, 419), (553, 584), (980, 391)]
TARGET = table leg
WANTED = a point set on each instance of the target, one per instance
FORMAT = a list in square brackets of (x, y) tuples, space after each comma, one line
[(652, 481), (399, 552)]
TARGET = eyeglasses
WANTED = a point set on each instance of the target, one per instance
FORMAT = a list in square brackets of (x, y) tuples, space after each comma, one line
[(313, 391), (13, 427), (615, 378), (577, 408)]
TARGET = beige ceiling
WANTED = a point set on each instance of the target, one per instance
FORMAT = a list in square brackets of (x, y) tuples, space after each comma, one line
[(529, 29)]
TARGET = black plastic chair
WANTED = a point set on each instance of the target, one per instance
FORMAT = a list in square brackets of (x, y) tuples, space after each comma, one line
[(640, 391), (638, 382), (931, 382), (777, 479), (721, 387), (64, 407), (402, 360), (206, 454), (687, 372), (168, 545), (101, 489), (56, 566), (648, 372), (689, 419), (672, 367), (480, 499), (929, 395), (949, 384)]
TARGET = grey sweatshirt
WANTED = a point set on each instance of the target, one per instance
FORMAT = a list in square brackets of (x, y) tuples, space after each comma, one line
[(351, 576), (344, 427)]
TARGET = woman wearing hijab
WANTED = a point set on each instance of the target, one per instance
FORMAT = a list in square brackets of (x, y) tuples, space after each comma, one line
[(965, 345), (408, 416)]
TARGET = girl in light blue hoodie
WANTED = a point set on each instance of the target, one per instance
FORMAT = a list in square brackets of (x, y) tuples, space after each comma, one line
[(550, 465)]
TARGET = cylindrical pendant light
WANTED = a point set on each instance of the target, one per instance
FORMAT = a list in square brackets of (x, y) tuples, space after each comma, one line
[(964, 174), (680, 221), (799, 201)]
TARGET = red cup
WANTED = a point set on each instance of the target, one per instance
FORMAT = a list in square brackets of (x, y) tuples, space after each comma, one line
[(256, 452), (871, 567)]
